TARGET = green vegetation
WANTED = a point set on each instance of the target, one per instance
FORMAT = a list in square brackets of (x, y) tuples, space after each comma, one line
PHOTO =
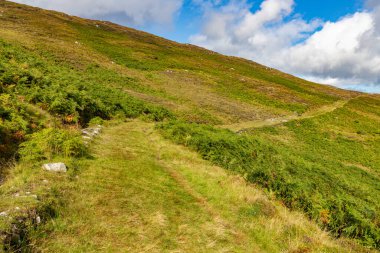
[(146, 53), (26, 79), (331, 177), (312, 148), (15, 122), (64, 92), (46, 144), (181, 203), (341, 150)]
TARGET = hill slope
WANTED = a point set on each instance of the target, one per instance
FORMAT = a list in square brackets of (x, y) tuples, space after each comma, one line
[(189, 80), (315, 148), (143, 193)]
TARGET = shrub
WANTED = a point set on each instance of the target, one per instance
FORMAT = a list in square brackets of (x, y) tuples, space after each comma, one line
[(52, 142), (72, 96), (157, 113), (96, 121)]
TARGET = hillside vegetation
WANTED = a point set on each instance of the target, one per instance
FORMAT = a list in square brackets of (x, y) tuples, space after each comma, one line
[(286, 144), (152, 195)]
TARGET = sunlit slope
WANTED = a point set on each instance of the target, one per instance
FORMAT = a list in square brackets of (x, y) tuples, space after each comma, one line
[(197, 84), (313, 148), (141, 193), (326, 164)]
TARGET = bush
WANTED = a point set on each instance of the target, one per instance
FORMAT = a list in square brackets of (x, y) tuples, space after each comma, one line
[(46, 144), (96, 121)]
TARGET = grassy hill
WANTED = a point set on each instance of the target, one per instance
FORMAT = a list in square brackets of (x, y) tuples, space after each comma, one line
[(288, 146)]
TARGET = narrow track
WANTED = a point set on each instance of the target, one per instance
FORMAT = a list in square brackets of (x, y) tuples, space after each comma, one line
[(238, 127)]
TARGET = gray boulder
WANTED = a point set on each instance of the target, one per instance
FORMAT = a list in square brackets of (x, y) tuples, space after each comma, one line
[(55, 167)]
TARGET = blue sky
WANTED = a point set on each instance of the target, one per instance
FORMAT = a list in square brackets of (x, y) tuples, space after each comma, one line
[(189, 20), (334, 42), (327, 9)]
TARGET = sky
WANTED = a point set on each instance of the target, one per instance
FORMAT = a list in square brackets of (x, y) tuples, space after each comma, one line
[(334, 42)]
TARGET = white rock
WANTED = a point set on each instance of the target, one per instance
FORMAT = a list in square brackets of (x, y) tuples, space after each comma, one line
[(90, 132), (38, 219), (55, 167), (3, 214)]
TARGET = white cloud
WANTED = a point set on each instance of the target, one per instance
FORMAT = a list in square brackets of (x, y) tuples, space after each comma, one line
[(345, 53), (132, 12)]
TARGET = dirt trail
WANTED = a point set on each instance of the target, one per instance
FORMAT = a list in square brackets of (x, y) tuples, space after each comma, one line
[(238, 127)]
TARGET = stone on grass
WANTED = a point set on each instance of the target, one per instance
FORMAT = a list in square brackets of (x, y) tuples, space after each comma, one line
[(55, 167), (89, 133), (92, 131)]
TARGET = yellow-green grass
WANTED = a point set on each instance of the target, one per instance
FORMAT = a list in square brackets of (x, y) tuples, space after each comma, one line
[(93, 65), (238, 127), (197, 84), (141, 193), (325, 163), (30, 193)]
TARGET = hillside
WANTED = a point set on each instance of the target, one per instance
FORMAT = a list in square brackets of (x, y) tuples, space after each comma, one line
[(287, 146), (152, 195)]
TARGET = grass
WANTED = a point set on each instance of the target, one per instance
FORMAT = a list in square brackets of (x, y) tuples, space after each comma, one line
[(313, 148), (181, 203), (209, 87), (239, 127), (30, 194), (325, 165)]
